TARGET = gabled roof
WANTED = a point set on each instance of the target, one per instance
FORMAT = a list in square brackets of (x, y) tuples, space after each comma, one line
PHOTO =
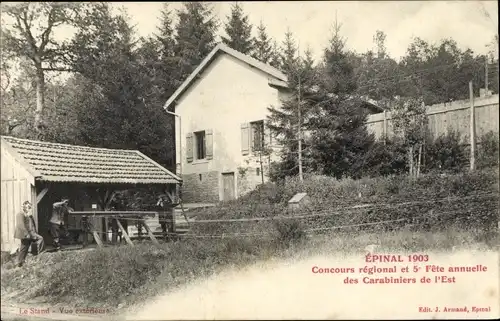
[(52, 162), (221, 48)]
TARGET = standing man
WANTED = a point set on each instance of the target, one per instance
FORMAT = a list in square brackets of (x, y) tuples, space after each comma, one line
[(165, 216), (60, 211), (26, 232)]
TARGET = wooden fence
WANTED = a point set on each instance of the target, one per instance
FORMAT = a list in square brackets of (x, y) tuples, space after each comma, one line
[(442, 117)]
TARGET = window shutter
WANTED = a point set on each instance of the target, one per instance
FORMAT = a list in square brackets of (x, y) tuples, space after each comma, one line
[(189, 147), (245, 138), (268, 139), (209, 143)]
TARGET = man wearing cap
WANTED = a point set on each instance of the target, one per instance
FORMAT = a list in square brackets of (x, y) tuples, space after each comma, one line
[(26, 232), (60, 210)]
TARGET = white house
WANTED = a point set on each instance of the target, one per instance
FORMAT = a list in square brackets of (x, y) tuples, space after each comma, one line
[(219, 104), (222, 107)]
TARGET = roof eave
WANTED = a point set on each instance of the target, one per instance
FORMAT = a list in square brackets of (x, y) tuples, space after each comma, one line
[(107, 182), (172, 101), (168, 177), (177, 178), (278, 84), (19, 158)]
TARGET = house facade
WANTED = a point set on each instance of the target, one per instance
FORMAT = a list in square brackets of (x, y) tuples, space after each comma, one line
[(222, 109)]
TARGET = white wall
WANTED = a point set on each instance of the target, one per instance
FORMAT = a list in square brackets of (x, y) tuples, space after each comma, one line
[(17, 186), (228, 93)]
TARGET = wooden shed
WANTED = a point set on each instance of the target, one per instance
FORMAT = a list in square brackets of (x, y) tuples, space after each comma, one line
[(43, 172)]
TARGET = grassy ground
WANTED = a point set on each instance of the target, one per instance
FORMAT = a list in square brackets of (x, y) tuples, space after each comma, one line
[(117, 277)]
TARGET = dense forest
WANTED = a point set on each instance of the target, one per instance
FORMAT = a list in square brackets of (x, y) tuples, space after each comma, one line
[(116, 83)]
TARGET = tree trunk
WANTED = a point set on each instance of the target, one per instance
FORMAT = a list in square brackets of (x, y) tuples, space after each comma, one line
[(40, 102), (411, 160), (419, 159), (261, 168)]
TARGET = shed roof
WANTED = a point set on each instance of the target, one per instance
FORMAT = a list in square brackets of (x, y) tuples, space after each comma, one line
[(53, 162), (222, 48)]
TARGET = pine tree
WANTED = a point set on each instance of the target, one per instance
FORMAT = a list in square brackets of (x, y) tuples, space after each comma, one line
[(337, 68), (165, 68), (195, 36), (165, 34), (309, 74), (340, 140), (285, 120), (238, 30), (275, 56), (263, 48), (288, 55)]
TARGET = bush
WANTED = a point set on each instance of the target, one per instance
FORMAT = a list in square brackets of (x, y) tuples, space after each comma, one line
[(433, 200), (446, 153), (488, 149), (289, 232), (385, 159)]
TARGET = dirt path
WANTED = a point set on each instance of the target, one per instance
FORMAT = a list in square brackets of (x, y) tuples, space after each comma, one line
[(16, 313), (289, 290), (37, 311)]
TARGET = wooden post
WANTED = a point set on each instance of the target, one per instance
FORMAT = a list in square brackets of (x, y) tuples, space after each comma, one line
[(419, 159), (174, 230), (486, 76), (40, 196), (385, 127), (472, 129), (85, 224), (182, 208), (124, 233), (299, 133), (97, 238), (114, 230), (106, 229), (150, 233)]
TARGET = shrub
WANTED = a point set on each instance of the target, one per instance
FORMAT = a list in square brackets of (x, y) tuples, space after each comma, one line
[(488, 149), (437, 201), (385, 159), (289, 232), (446, 153)]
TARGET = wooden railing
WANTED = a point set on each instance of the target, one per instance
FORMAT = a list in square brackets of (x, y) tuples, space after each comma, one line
[(116, 218)]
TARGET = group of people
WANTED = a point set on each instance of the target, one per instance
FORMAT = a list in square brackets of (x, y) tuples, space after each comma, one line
[(26, 230)]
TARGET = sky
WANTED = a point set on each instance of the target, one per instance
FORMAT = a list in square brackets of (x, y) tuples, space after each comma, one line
[(472, 23)]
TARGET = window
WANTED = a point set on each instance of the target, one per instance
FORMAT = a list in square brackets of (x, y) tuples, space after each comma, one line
[(200, 149), (257, 135)]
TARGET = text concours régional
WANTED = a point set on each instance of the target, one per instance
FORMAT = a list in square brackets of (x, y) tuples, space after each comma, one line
[(416, 264)]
